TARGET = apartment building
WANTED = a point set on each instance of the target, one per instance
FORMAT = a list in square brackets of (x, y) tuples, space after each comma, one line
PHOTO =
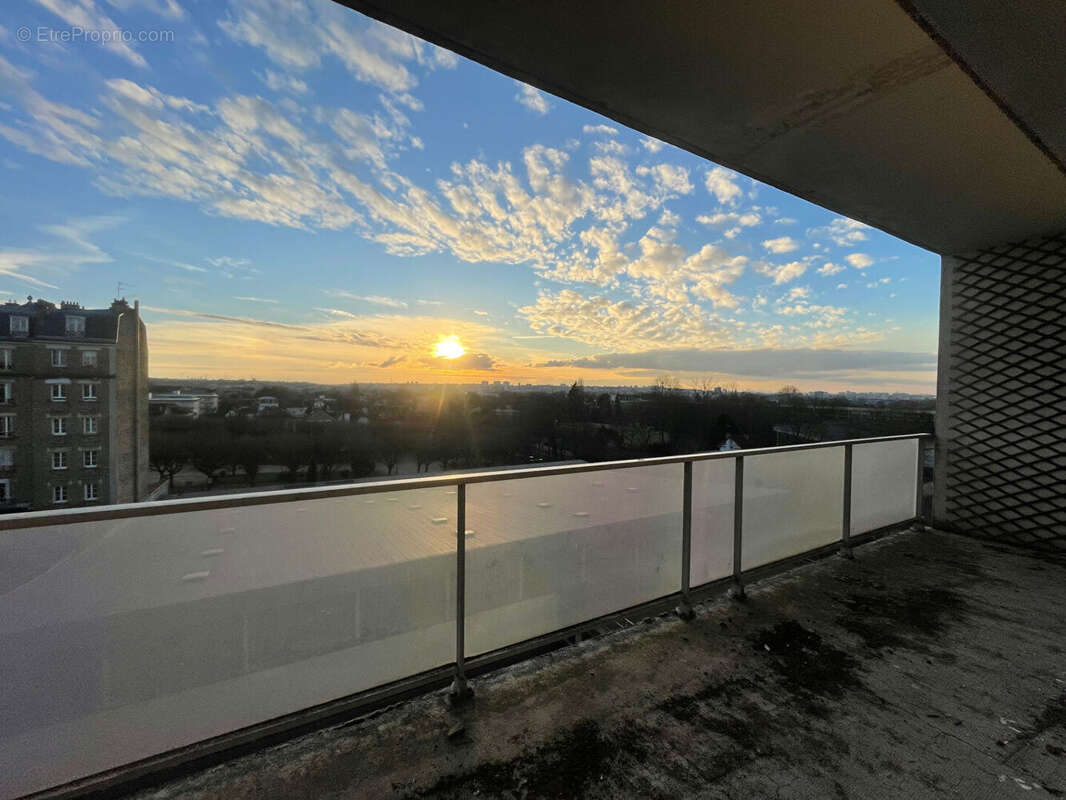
[(73, 405)]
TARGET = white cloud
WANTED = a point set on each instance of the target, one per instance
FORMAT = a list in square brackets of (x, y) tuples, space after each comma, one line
[(842, 286), (782, 244), (165, 8), (669, 219), (843, 231), (651, 145), (84, 15), (377, 300), (255, 299), (532, 98), (599, 130), (296, 35), (668, 177), (622, 325), (831, 269), (720, 183), (859, 260), (784, 273), (283, 83)]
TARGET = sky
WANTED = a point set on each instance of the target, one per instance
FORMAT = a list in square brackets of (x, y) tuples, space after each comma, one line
[(296, 192)]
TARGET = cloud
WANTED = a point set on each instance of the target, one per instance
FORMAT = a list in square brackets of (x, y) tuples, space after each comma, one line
[(283, 83), (720, 183), (769, 363), (668, 177), (84, 15), (378, 300), (532, 98), (477, 362), (165, 8), (599, 130), (602, 322), (392, 361), (651, 145), (255, 299), (782, 244), (70, 247), (831, 269), (842, 231), (783, 273), (298, 36), (859, 260)]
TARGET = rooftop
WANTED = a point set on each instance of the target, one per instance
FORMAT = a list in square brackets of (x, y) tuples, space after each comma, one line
[(931, 665)]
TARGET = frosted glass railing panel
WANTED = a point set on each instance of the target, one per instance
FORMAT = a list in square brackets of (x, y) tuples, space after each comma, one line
[(546, 553), (123, 639), (712, 520), (883, 478), (793, 502)]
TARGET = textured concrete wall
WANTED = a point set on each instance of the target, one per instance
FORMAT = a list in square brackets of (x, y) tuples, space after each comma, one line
[(130, 419), (1001, 399)]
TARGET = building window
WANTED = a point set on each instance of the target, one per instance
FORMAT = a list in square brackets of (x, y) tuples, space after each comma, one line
[(7, 458), (5, 491), (19, 326), (88, 392), (5, 392), (75, 326), (59, 392), (90, 458), (59, 494), (59, 357), (7, 360), (59, 426), (59, 459), (90, 492), (89, 424), (7, 425), (89, 358)]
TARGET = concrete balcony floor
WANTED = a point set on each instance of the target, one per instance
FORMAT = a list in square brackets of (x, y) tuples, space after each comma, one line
[(930, 666)]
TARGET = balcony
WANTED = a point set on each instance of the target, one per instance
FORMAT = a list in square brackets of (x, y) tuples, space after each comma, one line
[(163, 632)]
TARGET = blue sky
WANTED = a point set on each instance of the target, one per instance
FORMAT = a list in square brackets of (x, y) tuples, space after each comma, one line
[(296, 192)]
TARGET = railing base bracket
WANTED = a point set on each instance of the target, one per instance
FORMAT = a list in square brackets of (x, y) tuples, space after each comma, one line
[(684, 610), (845, 553), (736, 592), (459, 693)]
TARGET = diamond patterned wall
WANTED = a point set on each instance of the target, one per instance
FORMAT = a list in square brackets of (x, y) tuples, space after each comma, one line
[(1002, 419)]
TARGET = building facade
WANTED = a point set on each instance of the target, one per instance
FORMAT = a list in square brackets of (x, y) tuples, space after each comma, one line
[(73, 405)]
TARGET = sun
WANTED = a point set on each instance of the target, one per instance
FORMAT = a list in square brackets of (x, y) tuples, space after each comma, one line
[(449, 347)]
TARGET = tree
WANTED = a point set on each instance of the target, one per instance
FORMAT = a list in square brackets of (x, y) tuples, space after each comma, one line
[(292, 451), (208, 450), (167, 454), (361, 457), (250, 455)]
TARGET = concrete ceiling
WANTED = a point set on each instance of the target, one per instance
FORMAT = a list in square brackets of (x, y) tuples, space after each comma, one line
[(941, 123)]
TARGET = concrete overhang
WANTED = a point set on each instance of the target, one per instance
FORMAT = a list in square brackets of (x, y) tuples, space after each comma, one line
[(939, 122)]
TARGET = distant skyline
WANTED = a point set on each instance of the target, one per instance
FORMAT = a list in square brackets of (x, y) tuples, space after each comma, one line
[(295, 192)]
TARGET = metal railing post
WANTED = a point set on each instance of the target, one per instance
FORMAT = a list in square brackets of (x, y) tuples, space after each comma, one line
[(845, 523), (460, 690), (684, 607), (737, 592), (919, 489)]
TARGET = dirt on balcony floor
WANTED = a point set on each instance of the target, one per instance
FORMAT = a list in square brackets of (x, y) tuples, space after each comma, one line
[(931, 665)]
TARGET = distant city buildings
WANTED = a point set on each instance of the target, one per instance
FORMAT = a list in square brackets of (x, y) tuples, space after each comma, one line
[(190, 403), (73, 405)]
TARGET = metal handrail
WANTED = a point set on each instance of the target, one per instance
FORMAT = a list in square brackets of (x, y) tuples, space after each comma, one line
[(460, 690), (37, 519)]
